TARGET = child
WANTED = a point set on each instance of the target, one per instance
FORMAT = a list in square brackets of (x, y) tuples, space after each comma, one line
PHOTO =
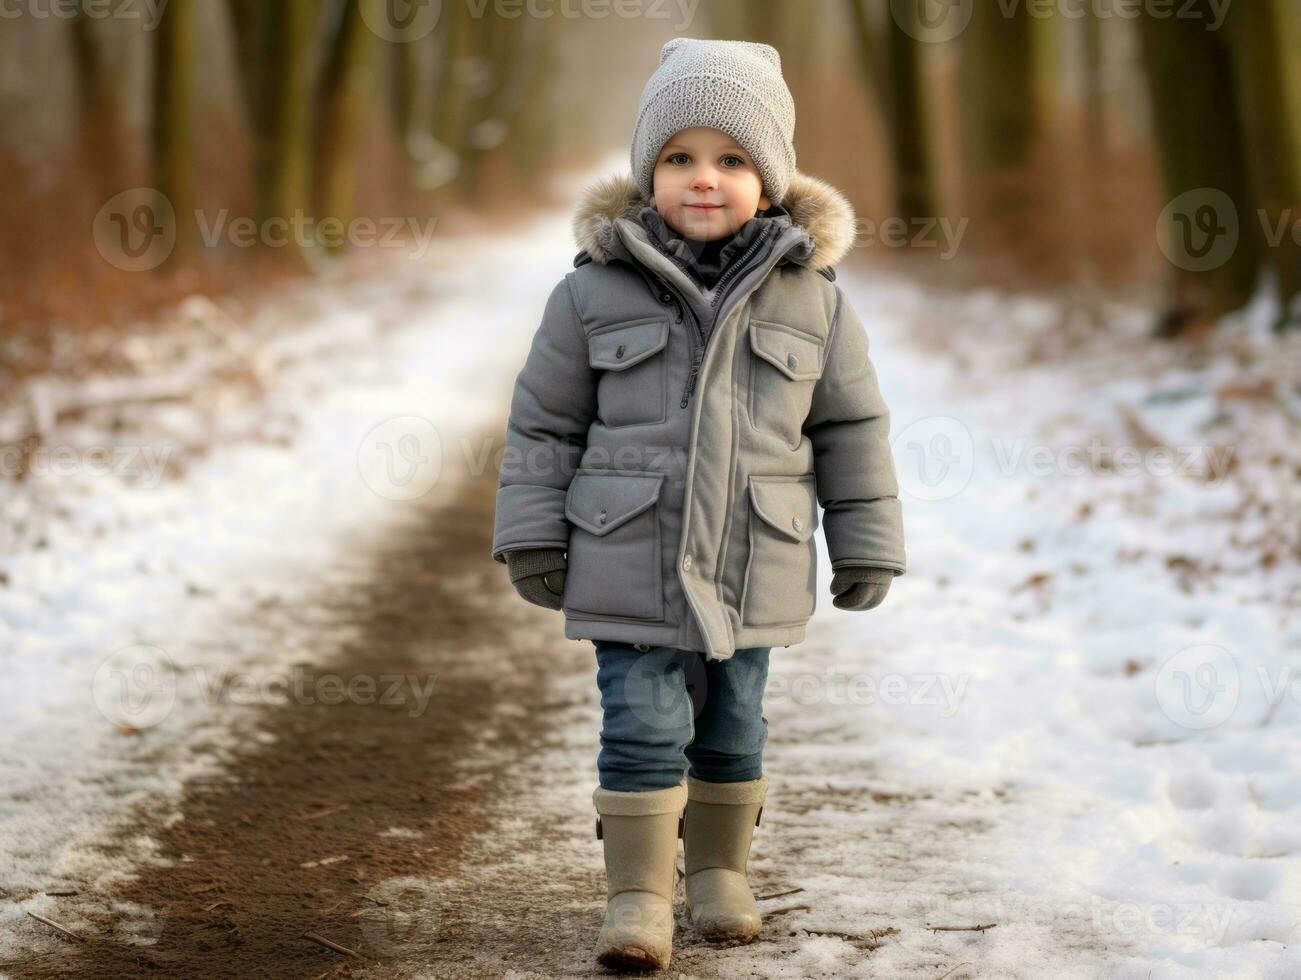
[(697, 387)]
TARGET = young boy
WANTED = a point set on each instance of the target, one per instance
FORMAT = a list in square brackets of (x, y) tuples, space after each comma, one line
[(697, 387)]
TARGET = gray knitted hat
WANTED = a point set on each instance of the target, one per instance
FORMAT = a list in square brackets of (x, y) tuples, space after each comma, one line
[(732, 86)]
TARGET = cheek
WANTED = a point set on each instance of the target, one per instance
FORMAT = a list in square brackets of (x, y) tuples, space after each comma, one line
[(746, 188)]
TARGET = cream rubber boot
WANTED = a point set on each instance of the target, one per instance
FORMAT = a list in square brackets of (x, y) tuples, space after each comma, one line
[(718, 825), (640, 831)]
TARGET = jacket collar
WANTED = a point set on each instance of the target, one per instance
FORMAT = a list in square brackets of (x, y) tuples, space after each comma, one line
[(813, 206)]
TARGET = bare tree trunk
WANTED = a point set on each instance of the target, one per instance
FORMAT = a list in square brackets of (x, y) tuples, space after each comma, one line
[(103, 114), (998, 91), (450, 122), (276, 40), (1200, 142), (915, 178), (1005, 194), (485, 127), (173, 120), (1273, 128), (1095, 100), (346, 85), (891, 70), (533, 133)]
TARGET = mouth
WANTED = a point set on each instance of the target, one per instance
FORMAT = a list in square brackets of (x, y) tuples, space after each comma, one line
[(705, 207)]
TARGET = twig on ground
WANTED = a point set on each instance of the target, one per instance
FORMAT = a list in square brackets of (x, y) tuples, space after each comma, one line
[(325, 813), (791, 908), (321, 940), (979, 928), (788, 891), (54, 925), (873, 938), (950, 972)]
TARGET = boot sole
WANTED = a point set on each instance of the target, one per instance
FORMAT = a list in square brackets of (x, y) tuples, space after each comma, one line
[(728, 937), (630, 958)]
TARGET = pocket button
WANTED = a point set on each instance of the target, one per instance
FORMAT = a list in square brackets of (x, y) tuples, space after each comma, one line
[(602, 518), (797, 524), (792, 361), (619, 352)]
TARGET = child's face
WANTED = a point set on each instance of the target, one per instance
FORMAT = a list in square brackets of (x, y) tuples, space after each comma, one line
[(703, 166)]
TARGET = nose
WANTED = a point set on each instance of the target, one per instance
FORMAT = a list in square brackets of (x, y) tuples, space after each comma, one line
[(704, 179)]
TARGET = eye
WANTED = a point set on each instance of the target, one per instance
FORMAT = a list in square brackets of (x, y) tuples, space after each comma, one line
[(739, 162), (673, 156)]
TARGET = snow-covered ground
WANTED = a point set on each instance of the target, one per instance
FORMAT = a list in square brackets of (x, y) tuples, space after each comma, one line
[(1097, 752), (1075, 723), (127, 559)]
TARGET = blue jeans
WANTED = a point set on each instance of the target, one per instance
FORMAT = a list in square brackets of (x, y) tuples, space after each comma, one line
[(666, 710)]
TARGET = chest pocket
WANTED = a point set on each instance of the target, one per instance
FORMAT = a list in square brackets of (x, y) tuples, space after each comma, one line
[(785, 365), (633, 387)]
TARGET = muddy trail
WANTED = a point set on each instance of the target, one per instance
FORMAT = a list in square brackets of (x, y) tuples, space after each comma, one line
[(357, 822)]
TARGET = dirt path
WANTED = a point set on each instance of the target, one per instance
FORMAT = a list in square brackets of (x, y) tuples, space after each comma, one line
[(342, 816)]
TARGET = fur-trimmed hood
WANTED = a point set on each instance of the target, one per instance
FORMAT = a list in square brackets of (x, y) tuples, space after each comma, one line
[(822, 211)]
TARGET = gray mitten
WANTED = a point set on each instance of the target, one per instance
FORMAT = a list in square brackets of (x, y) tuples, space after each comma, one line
[(538, 575), (860, 587)]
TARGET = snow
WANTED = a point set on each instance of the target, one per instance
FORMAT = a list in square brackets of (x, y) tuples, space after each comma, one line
[(1073, 723), (122, 592), (1124, 761)]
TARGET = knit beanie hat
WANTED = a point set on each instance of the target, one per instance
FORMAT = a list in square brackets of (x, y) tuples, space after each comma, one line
[(732, 86)]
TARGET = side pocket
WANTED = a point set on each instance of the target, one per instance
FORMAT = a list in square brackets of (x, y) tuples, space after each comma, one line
[(780, 586), (614, 566)]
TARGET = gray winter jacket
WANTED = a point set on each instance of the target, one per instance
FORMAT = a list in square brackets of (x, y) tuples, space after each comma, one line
[(678, 441)]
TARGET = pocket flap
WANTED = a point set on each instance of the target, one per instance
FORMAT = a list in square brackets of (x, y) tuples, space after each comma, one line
[(789, 506), (600, 502), (625, 344), (794, 353)]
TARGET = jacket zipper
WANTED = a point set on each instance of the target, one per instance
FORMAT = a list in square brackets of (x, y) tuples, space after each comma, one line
[(684, 308), (720, 292)]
